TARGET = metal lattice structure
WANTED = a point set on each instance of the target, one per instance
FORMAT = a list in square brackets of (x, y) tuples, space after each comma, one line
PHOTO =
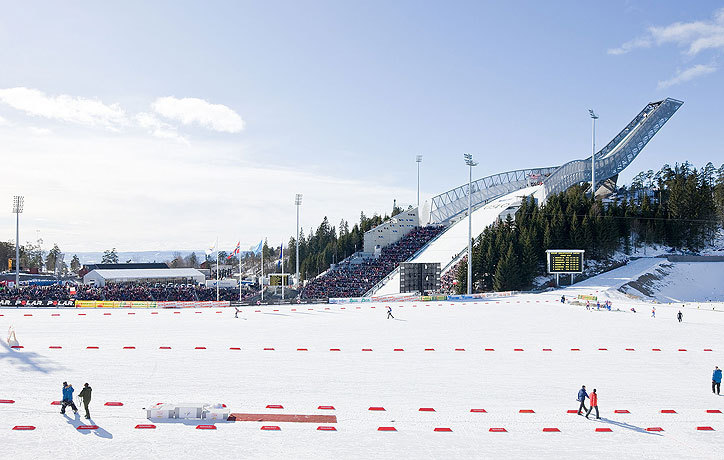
[(619, 152), (454, 202), (610, 161)]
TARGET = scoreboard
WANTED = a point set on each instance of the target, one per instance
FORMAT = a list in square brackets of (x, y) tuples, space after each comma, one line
[(565, 260)]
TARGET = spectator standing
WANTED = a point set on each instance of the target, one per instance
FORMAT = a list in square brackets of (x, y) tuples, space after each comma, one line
[(716, 380), (85, 395)]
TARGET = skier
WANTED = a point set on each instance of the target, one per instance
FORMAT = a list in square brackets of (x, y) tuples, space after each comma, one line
[(389, 312), (85, 395), (588, 305), (594, 403), (680, 316), (653, 312), (582, 395), (67, 399), (563, 299), (236, 314), (716, 380)]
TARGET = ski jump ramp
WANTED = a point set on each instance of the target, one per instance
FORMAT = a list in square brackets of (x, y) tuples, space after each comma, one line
[(491, 196)]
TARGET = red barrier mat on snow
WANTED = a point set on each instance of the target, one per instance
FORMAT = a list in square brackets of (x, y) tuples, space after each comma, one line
[(234, 417), (23, 428)]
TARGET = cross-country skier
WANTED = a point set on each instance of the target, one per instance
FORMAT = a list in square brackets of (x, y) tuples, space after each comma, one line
[(582, 395), (594, 403), (653, 312), (716, 380), (67, 399), (389, 312), (563, 299), (85, 395), (236, 315), (680, 316)]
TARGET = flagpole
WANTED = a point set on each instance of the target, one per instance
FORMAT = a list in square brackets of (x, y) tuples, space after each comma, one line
[(281, 258), (238, 246), (261, 280), (217, 268)]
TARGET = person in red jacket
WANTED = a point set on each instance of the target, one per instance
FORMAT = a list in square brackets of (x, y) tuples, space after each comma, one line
[(594, 403)]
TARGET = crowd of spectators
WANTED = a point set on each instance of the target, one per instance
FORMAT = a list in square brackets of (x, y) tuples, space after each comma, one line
[(125, 291), (447, 280), (354, 279)]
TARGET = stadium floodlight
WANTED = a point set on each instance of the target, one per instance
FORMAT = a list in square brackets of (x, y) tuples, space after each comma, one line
[(297, 202), (594, 117), (18, 203), (470, 162), (418, 160)]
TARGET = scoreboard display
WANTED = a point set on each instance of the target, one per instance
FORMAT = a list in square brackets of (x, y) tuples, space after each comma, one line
[(275, 279), (565, 260)]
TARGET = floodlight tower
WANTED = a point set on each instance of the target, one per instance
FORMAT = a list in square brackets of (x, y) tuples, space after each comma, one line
[(594, 117), (18, 202), (418, 160), (469, 161), (298, 203)]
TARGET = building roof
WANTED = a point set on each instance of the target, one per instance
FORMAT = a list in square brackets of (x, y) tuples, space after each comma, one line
[(129, 266), (161, 273)]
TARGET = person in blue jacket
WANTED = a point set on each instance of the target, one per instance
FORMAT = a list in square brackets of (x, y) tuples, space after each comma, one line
[(582, 395), (67, 399), (716, 380)]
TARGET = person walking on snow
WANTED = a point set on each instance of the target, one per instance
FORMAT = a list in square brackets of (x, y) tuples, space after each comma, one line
[(594, 403), (389, 312), (716, 380), (582, 395), (680, 316), (85, 395), (236, 315), (653, 312), (67, 399)]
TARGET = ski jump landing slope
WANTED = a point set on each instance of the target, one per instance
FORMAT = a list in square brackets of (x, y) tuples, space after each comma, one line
[(499, 374), (450, 243)]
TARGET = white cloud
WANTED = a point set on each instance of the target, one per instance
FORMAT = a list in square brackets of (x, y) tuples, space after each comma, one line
[(145, 191), (4, 122), (72, 109), (695, 36), (191, 110), (158, 128), (688, 74)]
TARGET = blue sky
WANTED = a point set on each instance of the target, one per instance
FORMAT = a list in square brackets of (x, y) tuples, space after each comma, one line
[(158, 125)]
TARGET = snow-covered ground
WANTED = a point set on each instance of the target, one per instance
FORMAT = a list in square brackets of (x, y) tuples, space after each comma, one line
[(502, 382), (657, 279)]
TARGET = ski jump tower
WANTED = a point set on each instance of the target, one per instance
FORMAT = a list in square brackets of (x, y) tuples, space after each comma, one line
[(494, 195), (613, 158)]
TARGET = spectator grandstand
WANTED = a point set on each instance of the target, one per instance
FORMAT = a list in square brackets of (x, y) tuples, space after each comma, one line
[(125, 291), (354, 279)]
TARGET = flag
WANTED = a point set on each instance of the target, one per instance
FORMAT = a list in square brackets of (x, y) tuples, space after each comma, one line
[(281, 254), (257, 249), (210, 249), (236, 250)]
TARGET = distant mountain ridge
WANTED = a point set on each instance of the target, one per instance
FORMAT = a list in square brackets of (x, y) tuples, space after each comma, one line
[(133, 256)]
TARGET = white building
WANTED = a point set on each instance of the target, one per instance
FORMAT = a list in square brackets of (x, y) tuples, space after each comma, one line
[(169, 275)]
